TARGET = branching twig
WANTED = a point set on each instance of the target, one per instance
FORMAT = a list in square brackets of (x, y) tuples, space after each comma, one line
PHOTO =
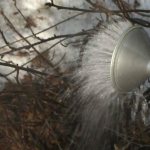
[(23, 68), (113, 12), (46, 29), (29, 45), (84, 32), (37, 56)]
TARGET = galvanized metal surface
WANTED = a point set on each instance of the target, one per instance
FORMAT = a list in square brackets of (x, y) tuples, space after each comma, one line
[(130, 64)]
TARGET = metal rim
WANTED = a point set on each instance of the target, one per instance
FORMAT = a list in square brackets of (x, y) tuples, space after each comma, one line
[(115, 56)]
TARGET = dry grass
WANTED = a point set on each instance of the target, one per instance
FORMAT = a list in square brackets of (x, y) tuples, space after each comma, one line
[(32, 115)]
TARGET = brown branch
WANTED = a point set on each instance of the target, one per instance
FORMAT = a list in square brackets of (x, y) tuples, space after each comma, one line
[(6, 78), (23, 68), (113, 12), (37, 56), (46, 29), (123, 12), (29, 45), (17, 74), (123, 8), (6, 42), (15, 4), (82, 33), (103, 10), (139, 21)]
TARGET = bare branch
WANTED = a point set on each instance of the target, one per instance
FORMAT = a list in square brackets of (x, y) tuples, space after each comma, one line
[(82, 33), (46, 29), (113, 12), (23, 68)]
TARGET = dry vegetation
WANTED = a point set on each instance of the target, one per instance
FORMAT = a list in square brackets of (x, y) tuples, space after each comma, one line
[(33, 113)]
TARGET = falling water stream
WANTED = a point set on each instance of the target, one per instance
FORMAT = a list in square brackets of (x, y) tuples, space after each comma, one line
[(98, 105)]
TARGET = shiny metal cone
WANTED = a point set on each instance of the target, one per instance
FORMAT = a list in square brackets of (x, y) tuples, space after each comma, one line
[(130, 64)]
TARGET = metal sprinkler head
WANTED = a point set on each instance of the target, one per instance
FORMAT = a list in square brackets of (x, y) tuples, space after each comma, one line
[(130, 63)]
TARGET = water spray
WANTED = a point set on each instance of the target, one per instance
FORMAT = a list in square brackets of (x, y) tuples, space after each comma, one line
[(115, 61), (119, 56)]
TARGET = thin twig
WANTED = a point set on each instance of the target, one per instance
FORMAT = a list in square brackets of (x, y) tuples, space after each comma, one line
[(82, 33), (29, 45), (46, 29), (41, 54), (23, 68), (113, 12)]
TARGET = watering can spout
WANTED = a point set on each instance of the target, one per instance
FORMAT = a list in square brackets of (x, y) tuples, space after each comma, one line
[(130, 64)]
